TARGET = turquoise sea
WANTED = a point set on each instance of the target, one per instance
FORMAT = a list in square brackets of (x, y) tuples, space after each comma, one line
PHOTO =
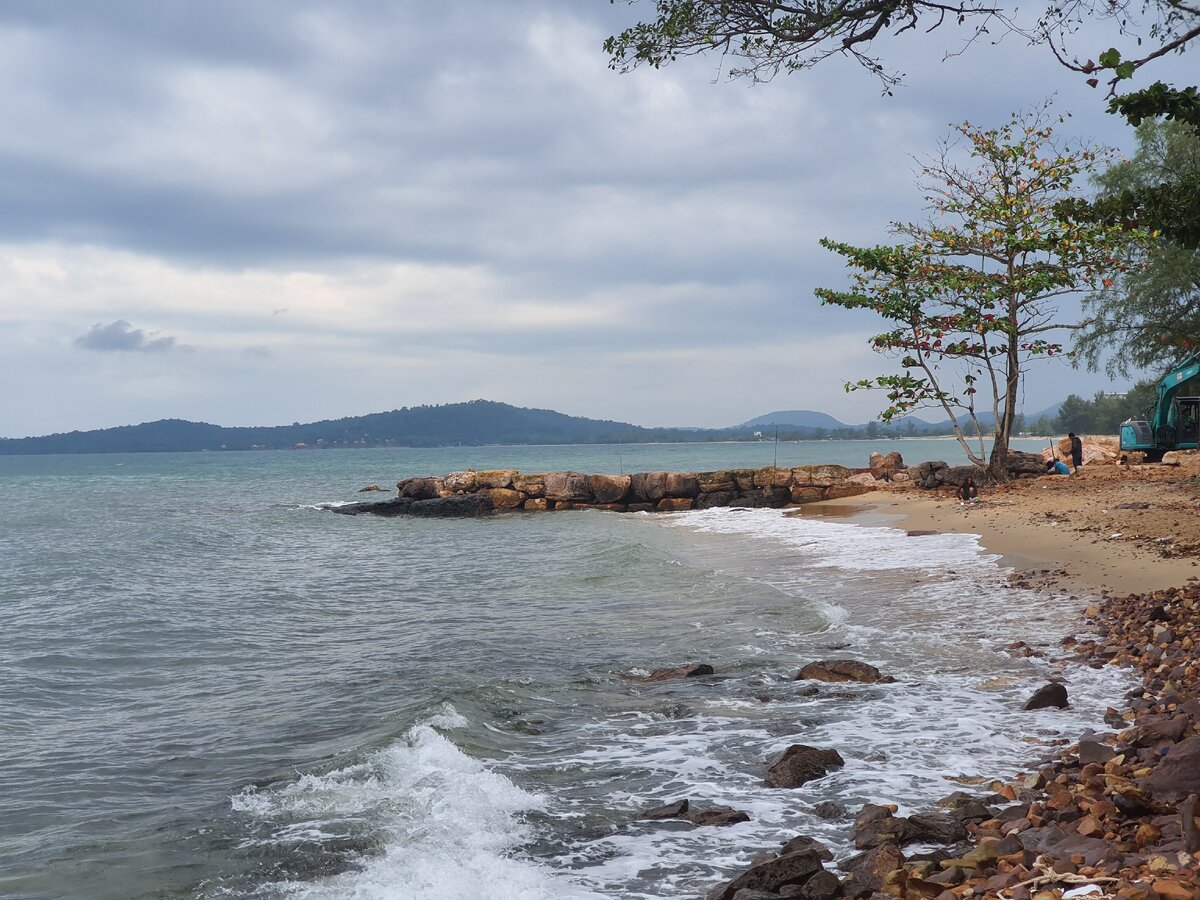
[(211, 686)]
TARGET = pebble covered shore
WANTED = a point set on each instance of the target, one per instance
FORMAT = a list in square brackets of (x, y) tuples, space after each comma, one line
[(1113, 816)]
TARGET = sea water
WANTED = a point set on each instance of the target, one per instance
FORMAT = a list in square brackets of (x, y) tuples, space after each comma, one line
[(211, 686)]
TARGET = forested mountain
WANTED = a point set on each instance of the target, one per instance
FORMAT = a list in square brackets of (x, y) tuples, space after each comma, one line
[(476, 423)]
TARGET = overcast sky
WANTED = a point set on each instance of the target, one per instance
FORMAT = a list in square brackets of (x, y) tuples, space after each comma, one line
[(255, 213)]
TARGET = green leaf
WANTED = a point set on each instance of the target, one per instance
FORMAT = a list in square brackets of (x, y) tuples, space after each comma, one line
[(1110, 58)]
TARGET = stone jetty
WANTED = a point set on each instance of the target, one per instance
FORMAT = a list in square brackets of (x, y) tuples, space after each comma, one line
[(472, 493)]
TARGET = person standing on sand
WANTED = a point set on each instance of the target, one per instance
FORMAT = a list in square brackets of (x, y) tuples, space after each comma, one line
[(1076, 451)]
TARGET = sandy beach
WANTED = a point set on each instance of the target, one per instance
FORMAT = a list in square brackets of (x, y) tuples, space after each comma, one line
[(1110, 528)]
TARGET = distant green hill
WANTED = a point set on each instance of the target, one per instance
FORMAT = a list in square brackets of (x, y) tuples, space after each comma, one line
[(474, 423), (796, 418)]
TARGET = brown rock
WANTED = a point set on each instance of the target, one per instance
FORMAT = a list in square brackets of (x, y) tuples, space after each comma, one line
[(715, 815), (1175, 889), (533, 484), (804, 842), (867, 871), (609, 488), (885, 467), (495, 478), (1052, 694), (807, 494), (647, 487), (693, 670), (824, 476), (793, 868), (714, 499), (935, 828), (773, 477), (823, 885), (669, 811), (419, 488), (505, 498), (674, 504), (536, 503), (1178, 774), (837, 670), (712, 482), (569, 486), (460, 481), (682, 484), (801, 764)]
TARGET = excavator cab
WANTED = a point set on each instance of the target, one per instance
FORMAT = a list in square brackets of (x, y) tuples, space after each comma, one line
[(1187, 423)]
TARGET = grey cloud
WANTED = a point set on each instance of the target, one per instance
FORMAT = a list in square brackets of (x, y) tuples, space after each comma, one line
[(121, 337)]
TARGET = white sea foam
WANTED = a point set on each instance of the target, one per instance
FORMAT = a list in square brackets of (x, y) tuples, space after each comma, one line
[(449, 825), (934, 611)]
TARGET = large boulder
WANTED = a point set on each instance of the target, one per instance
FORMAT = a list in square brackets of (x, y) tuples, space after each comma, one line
[(884, 467), (1098, 450), (682, 484), (455, 506), (806, 493), (877, 825), (716, 482), (1022, 464), (609, 488), (464, 482), (955, 476), (1050, 695), (647, 487), (819, 476), (716, 498), (771, 874), (399, 506), (773, 477), (571, 487), (505, 498), (674, 504), (692, 670), (867, 871), (495, 478), (715, 815), (801, 764), (836, 670), (1178, 774), (927, 475), (533, 484), (669, 811), (419, 488)]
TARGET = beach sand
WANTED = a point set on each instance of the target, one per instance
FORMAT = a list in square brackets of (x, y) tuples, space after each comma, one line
[(1107, 529)]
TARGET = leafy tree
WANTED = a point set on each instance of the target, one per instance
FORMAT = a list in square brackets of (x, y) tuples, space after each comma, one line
[(1104, 413), (1150, 315), (969, 304), (767, 37)]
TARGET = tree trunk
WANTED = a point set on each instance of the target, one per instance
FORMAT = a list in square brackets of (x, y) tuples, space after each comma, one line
[(998, 463)]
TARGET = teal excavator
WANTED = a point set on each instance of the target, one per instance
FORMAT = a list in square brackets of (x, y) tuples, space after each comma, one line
[(1173, 422)]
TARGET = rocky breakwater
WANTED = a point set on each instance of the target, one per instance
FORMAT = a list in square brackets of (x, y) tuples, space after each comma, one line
[(472, 493), (937, 474)]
